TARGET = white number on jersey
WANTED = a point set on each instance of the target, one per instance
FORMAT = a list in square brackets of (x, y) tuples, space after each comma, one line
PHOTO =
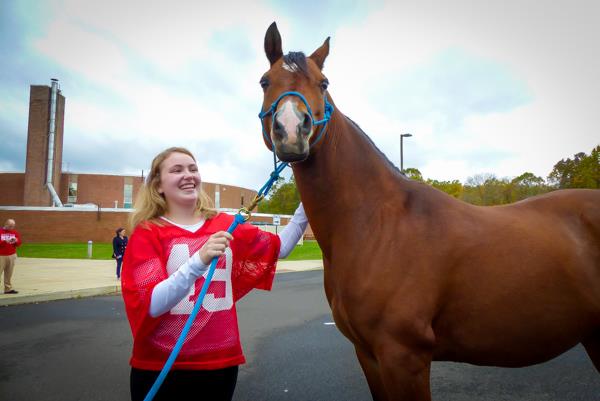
[(180, 254)]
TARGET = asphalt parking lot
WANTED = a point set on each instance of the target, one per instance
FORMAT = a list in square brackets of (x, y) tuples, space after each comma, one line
[(78, 350)]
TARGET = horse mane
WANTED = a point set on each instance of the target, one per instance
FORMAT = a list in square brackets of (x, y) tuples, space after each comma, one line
[(297, 61), (381, 154)]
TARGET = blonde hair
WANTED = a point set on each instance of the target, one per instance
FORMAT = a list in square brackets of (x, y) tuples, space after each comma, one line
[(150, 204)]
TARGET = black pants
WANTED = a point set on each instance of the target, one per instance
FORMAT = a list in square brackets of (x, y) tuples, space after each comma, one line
[(119, 261), (209, 385)]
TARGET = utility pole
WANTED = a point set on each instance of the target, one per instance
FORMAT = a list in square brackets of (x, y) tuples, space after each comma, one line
[(402, 136)]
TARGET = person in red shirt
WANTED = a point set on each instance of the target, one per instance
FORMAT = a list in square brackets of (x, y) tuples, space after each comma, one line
[(176, 235), (9, 241)]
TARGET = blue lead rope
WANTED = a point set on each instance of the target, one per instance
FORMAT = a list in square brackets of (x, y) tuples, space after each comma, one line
[(274, 176), (238, 219)]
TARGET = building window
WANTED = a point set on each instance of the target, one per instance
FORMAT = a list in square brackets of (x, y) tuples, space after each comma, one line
[(242, 200), (127, 196), (72, 198)]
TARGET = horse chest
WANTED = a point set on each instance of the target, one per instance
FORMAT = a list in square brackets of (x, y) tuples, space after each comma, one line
[(351, 304)]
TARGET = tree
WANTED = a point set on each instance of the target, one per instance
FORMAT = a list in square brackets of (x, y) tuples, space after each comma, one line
[(583, 171), (564, 171), (483, 189), (284, 198), (526, 185), (587, 172), (414, 174), (453, 188)]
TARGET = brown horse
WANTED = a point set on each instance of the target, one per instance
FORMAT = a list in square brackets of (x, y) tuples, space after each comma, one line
[(413, 275)]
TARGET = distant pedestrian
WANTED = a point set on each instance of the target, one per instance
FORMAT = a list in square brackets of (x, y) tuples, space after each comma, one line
[(9, 241), (119, 245)]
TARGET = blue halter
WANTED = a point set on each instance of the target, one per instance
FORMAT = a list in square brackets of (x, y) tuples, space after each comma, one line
[(328, 111)]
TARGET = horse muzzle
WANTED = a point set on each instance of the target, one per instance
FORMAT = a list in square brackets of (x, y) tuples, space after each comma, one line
[(291, 153), (291, 135), (292, 129)]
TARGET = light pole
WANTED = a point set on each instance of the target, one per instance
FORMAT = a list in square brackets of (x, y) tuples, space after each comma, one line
[(402, 136)]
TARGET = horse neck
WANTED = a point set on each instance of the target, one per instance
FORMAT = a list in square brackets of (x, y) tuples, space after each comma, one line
[(344, 173)]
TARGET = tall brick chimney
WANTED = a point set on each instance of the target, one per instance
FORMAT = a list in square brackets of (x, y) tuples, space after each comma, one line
[(36, 191)]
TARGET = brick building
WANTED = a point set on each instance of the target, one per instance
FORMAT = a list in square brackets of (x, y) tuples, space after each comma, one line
[(55, 206), (43, 169)]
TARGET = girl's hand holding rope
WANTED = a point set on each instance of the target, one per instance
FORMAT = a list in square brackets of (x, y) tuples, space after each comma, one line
[(215, 246)]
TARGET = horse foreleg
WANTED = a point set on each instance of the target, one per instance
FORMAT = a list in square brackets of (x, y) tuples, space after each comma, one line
[(592, 346), (368, 363), (405, 373)]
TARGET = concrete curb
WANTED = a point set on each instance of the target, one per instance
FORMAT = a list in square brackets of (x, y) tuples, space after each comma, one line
[(59, 295), (83, 292), (284, 270), (43, 280)]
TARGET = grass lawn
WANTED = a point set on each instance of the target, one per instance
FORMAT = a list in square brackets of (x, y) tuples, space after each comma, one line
[(102, 250), (308, 251)]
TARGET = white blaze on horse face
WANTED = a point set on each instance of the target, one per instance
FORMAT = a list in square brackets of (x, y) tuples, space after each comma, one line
[(287, 116), (288, 67)]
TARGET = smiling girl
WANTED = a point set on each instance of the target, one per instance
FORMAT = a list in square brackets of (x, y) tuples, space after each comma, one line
[(176, 236)]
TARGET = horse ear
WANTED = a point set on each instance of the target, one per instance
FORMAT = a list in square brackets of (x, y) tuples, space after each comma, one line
[(273, 44), (321, 54)]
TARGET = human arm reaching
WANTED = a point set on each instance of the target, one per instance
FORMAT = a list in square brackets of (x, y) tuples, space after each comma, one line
[(171, 291), (292, 232)]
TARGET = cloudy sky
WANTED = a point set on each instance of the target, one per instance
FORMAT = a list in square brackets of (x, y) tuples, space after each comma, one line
[(484, 87)]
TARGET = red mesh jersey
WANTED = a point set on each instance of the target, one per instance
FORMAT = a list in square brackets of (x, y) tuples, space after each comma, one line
[(154, 253)]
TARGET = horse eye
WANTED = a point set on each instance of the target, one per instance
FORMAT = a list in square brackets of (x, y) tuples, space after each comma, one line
[(324, 84), (264, 83)]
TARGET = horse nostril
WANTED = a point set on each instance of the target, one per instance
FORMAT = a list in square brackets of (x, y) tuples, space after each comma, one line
[(306, 126), (278, 129)]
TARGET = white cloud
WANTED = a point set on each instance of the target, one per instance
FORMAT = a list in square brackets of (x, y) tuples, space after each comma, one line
[(550, 49), (186, 73), (83, 52)]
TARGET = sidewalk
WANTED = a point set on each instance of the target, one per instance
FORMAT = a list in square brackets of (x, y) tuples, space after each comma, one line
[(40, 280)]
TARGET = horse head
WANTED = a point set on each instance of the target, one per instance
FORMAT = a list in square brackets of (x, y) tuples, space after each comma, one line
[(295, 108)]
